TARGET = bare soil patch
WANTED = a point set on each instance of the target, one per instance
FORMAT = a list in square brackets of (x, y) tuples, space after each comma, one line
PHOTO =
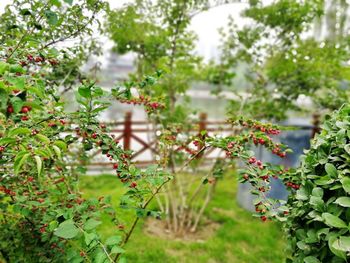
[(158, 228)]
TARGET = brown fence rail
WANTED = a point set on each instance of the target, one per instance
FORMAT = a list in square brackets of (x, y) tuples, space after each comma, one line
[(129, 132)]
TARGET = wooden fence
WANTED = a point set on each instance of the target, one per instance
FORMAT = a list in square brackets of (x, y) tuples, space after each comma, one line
[(139, 137)]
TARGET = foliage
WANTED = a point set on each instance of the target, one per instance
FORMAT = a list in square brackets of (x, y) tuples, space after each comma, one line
[(283, 61), (318, 223), (226, 225), (44, 149)]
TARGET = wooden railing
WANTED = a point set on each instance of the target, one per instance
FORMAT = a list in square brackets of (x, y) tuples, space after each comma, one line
[(139, 136)]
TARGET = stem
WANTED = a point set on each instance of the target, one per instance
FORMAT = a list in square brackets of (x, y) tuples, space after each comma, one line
[(144, 206), (102, 246), (209, 196)]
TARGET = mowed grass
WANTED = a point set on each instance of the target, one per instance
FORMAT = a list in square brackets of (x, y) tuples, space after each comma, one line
[(240, 238)]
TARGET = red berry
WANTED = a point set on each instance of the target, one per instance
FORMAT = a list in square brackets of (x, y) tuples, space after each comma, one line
[(51, 124), (115, 166), (263, 218), (25, 109), (25, 118), (94, 135), (261, 141), (259, 163), (10, 109), (133, 184), (2, 148), (282, 155), (252, 160), (230, 145)]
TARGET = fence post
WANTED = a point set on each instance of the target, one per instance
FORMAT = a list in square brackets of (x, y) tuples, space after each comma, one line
[(202, 127), (127, 130), (316, 124)]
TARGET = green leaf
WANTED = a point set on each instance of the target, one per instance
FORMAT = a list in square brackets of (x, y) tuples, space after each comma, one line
[(57, 151), (311, 259), (324, 180), (56, 3), (343, 201), (117, 250), (61, 144), (335, 251), (331, 170), (91, 224), (39, 164), (333, 221), (18, 131), (346, 184), (114, 240), (69, 1), (347, 148), (17, 104), (89, 237), (52, 17), (4, 141), (53, 225), (84, 92), (43, 138), (317, 191), (342, 243), (3, 67), (67, 230), (20, 162), (100, 256)]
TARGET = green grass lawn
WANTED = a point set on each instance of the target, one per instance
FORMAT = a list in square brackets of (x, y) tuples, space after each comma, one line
[(239, 238)]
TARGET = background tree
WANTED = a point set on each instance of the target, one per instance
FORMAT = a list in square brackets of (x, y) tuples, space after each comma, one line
[(284, 62)]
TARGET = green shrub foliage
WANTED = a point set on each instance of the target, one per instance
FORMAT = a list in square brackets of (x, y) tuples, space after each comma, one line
[(318, 224)]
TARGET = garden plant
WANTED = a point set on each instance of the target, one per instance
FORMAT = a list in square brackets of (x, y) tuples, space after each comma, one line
[(45, 148)]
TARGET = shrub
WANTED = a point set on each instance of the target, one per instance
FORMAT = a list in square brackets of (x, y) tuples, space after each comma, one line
[(318, 223)]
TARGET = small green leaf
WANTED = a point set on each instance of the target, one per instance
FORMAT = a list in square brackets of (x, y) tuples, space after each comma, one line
[(67, 230), (114, 240), (57, 151), (311, 259), (20, 162), (324, 180), (69, 1), (342, 243), (39, 164), (333, 221), (91, 224), (84, 92), (43, 138), (346, 184), (61, 144), (335, 251), (331, 170), (117, 250), (53, 225), (18, 131), (17, 104), (89, 237), (343, 201), (52, 18)]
